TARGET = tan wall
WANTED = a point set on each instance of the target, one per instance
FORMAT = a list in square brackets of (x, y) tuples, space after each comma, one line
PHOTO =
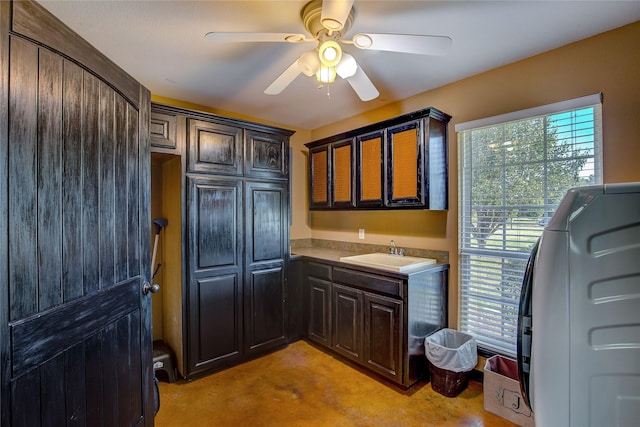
[(607, 63)]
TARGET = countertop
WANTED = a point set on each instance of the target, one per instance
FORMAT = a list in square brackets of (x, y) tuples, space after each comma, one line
[(324, 254), (333, 256)]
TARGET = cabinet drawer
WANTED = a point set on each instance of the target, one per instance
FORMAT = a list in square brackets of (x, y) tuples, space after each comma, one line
[(320, 271), (370, 282)]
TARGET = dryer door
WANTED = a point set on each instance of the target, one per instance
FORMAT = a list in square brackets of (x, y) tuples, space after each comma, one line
[(524, 325)]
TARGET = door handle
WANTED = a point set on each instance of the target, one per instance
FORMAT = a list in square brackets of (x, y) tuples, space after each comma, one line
[(148, 287)]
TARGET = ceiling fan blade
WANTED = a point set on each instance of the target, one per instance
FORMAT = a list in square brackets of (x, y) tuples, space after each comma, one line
[(335, 13), (406, 43), (284, 79), (362, 85), (256, 37)]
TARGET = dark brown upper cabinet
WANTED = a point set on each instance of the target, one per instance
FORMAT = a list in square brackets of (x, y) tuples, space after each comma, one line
[(331, 173), (267, 155), (163, 131), (319, 177), (215, 148), (397, 163), (405, 165), (370, 173), (341, 184)]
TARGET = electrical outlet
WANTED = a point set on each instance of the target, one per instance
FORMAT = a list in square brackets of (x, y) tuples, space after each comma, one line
[(361, 234)]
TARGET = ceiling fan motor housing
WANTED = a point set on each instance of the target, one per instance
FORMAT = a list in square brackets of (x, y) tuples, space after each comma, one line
[(311, 14)]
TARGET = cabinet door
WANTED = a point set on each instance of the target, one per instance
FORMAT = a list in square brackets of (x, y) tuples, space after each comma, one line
[(215, 148), (215, 273), (383, 335), (342, 172), (370, 170), (267, 155), (405, 165), (266, 240), (319, 323), (347, 322), (437, 174), (163, 130), (319, 173)]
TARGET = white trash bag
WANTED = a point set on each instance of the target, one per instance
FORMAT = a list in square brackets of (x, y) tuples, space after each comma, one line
[(451, 350)]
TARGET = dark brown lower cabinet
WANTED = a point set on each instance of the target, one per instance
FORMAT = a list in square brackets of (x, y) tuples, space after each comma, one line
[(382, 335), (319, 313), (376, 319), (347, 323)]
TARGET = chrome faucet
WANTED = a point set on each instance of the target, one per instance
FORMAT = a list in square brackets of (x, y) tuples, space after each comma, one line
[(394, 250)]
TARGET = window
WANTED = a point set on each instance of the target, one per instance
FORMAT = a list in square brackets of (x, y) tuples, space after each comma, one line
[(513, 172)]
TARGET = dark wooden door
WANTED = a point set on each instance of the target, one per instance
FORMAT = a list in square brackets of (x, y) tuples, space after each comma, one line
[(319, 174), (215, 273), (215, 148), (405, 165), (75, 333), (342, 174), (347, 321), (319, 324), (370, 170), (267, 234), (383, 335)]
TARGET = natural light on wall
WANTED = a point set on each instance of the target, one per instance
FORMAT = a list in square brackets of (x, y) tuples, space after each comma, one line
[(514, 170)]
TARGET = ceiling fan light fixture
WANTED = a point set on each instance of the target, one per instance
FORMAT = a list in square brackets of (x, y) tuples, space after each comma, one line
[(326, 74), (330, 53), (347, 66), (362, 41), (309, 63)]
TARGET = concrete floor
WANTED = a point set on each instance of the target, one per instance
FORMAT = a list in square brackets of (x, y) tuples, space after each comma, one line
[(303, 386)]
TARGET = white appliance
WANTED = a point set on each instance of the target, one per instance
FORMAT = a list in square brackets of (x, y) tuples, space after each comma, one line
[(579, 323)]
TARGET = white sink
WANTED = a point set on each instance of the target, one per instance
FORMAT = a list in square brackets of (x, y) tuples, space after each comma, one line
[(402, 264)]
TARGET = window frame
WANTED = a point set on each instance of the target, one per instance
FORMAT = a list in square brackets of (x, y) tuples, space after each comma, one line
[(471, 294)]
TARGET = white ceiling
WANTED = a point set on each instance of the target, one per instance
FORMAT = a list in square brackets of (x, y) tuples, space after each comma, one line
[(161, 44)]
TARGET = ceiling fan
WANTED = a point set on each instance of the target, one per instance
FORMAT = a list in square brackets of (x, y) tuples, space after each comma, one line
[(328, 21)]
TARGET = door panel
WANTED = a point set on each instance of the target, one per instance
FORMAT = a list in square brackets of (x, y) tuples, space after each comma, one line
[(214, 148), (218, 304), (347, 322), (267, 155), (78, 336), (266, 229), (383, 335), (215, 268), (216, 225), (87, 384), (319, 327), (266, 319)]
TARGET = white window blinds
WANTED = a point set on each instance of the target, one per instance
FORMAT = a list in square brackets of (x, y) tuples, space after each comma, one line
[(514, 170)]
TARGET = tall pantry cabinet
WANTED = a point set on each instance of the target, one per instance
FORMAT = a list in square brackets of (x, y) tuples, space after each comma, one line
[(235, 238)]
